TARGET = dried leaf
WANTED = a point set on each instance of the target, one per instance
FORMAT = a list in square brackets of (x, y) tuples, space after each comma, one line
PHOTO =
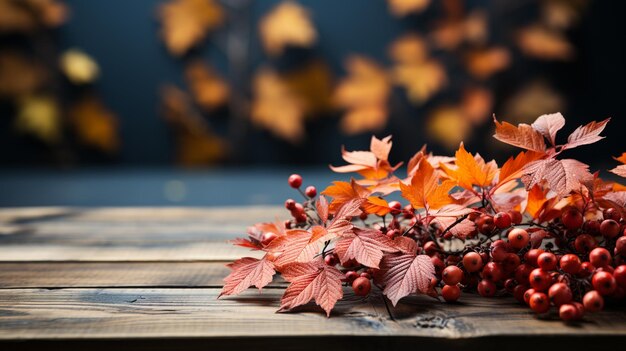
[(549, 125), (247, 272), (366, 246), (562, 176), (288, 24), (619, 170), (587, 134), (370, 164), (320, 282), (297, 245), (514, 166), (406, 274), (523, 136), (186, 22)]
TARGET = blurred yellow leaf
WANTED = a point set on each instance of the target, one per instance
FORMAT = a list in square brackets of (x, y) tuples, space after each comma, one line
[(276, 108), (39, 116), (79, 67), (19, 75), (404, 7), (29, 15), (421, 79), (409, 48), (545, 44), (287, 24), (186, 22), (95, 125), (197, 144), (207, 87), (51, 13), (448, 126), (452, 32), (312, 83), (483, 63), (364, 94)]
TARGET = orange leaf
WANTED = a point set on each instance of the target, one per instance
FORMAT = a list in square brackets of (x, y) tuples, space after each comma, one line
[(514, 166), (246, 272), (425, 190), (587, 134), (343, 192), (376, 205), (523, 136), (471, 170)]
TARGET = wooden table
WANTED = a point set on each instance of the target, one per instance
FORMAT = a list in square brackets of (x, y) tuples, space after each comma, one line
[(148, 278)]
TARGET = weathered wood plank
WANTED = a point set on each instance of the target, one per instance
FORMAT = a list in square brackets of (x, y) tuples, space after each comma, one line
[(127, 234), (114, 274)]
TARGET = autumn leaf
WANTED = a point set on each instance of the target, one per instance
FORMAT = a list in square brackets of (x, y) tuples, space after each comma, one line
[(541, 207), (95, 125), (448, 125), (376, 205), (453, 218), (402, 8), (405, 274), (471, 170), (313, 281), (247, 272), (562, 176), (208, 89), (549, 125), (424, 191), (186, 22), (371, 164), (524, 136), (344, 192), (545, 44), (39, 116), (20, 76), (288, 24), (363, 94), (587, 134), (366, 246), (297, 245), (79, 67), (453, 31), (621, 169), (484, 63), (514, 167), (321, 205), (422, 80)]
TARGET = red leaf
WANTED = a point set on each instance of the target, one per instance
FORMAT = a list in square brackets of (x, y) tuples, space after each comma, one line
[(459, 230), (405, 245), (365, 245), (406, 274), (562, 176), (298, 245), (246, 272), (587, 134), (619, 170), (315, 281), (523, 136), (322, 208), (549, 125)]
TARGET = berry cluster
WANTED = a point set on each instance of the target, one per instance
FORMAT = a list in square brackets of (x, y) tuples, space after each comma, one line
[(466, 225)]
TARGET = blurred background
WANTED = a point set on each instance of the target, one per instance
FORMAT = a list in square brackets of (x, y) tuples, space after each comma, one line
[(216, 102)]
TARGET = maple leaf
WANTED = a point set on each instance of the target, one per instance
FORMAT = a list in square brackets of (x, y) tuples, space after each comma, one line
[(287, 24), (524, 136), (549, 125), (376, 205), (363, 94), (247, 272), (366, 246), (562, 176), (371, 164), (471, 170), (514, 167), (312, 281), (405, 274), (343, 192), (587, 134), (187, 22), (424, 191)]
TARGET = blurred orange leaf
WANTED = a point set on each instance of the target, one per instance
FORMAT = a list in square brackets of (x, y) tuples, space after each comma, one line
[(287, 24), (95, 125), (186, 22), (404, 7), (484, 63), (207, 87), (20, 75), (541, 43)]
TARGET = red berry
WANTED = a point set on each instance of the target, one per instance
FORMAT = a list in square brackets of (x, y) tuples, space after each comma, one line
[(310, 191), (396, 207), (592, 227), (361, 286), (522, 272), (604, 283), (472, 262), (570, 263), (510, 284), (516, 217), (527, 294), (498, 252), (287, 224), (547, 261), (593, 301), (609, 228), (267, 238), (600, 257), (532, 256), (584, 243), (492, 271), (620, 246), (560, 293), (485, 224), (539, 302), (438, 263), (518, 292), (518, 238), (572, 218), (620, 275), (351, 276), (365, 275), (450, 293), (430, 248), (486, 288), (452, 275), (510, 263), (502, 220), (295, 181), (331, 260), (290, 204), (568, 312), (611, 213), (539, 279), (580, 309), (586, 269)]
